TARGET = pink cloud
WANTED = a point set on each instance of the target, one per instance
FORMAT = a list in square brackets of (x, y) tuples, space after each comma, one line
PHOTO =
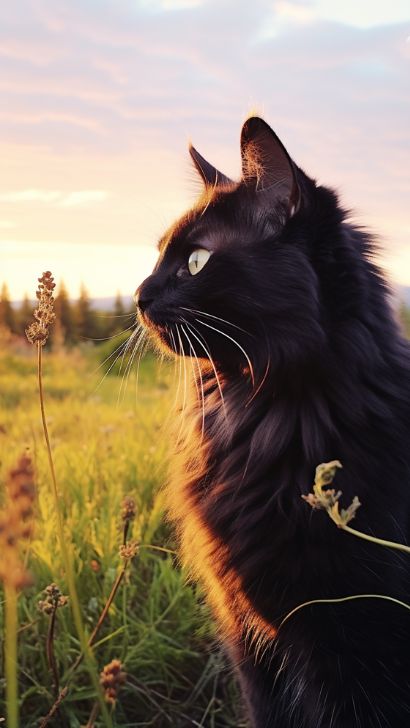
[(107, 100)]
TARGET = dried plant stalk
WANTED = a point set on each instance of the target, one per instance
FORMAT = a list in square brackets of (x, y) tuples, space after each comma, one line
[(328, 500), (339, 600), (127, 550), (37, 333), (53, 600), (112, 678)]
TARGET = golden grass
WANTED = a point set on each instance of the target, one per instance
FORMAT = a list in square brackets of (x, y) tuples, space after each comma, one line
[(154, 623)]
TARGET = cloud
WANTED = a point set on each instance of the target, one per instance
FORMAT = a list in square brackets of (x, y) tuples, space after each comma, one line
[(56, 197), (106, 99), (83, 197), (31, 196), (7, 224), (170, 4), (365, 13), (23, 261)]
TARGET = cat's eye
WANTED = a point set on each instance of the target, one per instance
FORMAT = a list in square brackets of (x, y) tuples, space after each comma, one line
[(197, 260)]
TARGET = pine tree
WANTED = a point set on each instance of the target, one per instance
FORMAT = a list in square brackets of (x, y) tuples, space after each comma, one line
[(119, 309), (24, 315), (7, 316), (65, 324), (118, 315), (86, 327)]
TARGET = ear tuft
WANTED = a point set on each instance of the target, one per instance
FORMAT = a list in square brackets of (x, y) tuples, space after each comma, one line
[(210, 175), (267, 166)]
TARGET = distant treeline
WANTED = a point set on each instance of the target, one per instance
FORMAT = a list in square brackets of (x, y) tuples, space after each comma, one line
[(77, 320)]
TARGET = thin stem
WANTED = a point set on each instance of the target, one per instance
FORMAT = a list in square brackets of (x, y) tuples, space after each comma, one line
[(102, 616), (11, 655), (108, 603), (328, 500), (90, 642), (50, 651), (54, 708), (380, 541), (124, 623), (74, 601), (93, 715), (157, 548), (343, 599)]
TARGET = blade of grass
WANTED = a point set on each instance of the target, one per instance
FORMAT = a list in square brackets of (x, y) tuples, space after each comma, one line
[(343, 599), (74, 601), (11, 655)]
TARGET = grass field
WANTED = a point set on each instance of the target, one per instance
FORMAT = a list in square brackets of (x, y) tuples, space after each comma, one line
[(108, 443)]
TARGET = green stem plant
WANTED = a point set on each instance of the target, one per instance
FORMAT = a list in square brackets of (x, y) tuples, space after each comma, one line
[(37, 333), (339, 600), (127, 551), (328, 500), (16, 529), (10, 655)]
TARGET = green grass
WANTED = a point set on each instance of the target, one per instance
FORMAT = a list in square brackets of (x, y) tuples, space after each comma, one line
[(158, 625)]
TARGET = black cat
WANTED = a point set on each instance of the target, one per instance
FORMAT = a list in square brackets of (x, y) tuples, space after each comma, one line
[(273, 297)]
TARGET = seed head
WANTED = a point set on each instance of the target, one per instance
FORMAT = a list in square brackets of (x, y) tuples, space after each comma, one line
[(38, 331), (328, 499), (129, 550), (111, 679), (53, 599), (128, 509)]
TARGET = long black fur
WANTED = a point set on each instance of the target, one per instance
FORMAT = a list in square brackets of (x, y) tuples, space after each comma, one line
[(330, 380)]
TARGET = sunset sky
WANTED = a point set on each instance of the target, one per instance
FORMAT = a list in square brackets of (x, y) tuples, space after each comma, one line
[(99, 99)]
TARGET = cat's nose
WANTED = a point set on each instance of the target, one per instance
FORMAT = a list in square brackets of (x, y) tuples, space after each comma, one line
[(142, 297), (146, 293), (143, 303)]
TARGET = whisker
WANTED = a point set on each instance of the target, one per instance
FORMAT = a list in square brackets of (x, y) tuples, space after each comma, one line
[(123, 347), (223, 333), (191, 349), (175, 348), (108, 338), (123, 344), (184, 400), (127, 371), (202, 389), (114, 315), (218, 318), (142, 350), (177, 393), (174, 344), (260, 385), (131, 346), (208, 353)]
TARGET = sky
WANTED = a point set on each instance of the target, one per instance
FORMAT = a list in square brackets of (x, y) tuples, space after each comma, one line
[(99, 99)]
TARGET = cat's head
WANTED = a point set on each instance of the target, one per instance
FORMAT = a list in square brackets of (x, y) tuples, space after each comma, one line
[(234, 279)]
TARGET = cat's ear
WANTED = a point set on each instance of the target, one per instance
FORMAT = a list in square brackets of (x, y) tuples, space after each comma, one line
[(210, 175), (266, 165)]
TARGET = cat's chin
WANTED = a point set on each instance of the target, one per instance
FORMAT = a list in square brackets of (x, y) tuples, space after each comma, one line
[(161, 337)]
